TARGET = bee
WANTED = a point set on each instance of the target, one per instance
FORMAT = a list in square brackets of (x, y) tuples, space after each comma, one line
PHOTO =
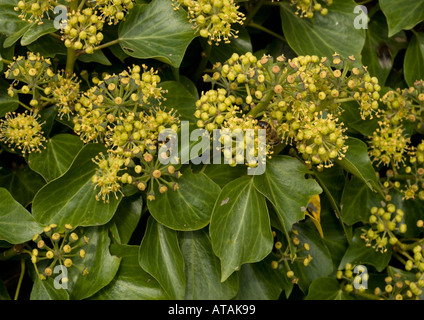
[(272, 137)]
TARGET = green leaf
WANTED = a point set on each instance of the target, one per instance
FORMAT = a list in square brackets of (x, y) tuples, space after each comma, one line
[(156, 31), (127, 217), (327, 288), (352, 117), (22, 183), (402, 15), (45, 290), (181, 99), (222, 174), (358, 163), (258, 281), (321, 36), (9, 18), (321, 264), (160, 256), (57, 157), (414, 59), (17, 35), (190, 206), (17, 225), (285, 186), (202, 269), (131, 281), (7, 103), (71, 197), (102, 266), (5, 53), (358, 253), (379, 51), (4, 295), (240, 226), (37, 31), (97, 56), (48, 46), (357, 200)]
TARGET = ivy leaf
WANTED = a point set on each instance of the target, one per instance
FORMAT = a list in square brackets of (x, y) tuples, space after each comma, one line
[(327, 288), (285, 186), (322, 36), (190, 206), (202, 269), (71, 197), (97, 56), (414, 59), (352, 117), (7, 103), (22, 183), (37, 31), (402, 15), (159, 247), (131, 281), (57, 157), (17, 225), (156, 31), (181, 99), (222, 174), (358, 253), (5, 53), (45, 290), (240, 226), (357, 200), (379, 51), (358, 163), (126, 218), (102, 266), (9, 18)]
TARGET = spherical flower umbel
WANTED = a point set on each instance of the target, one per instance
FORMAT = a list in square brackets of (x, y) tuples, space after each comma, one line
[(213, 19), (65, 93), (83, 30), (22, 132), (114, 11)]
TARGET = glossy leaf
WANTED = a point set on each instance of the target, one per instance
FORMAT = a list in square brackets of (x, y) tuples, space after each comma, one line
[(156, 31), (101, 264), (126, 218), (240, 227), (181, 99), (358, 253), (358, 163), (414, 59), (202, 269), (285, 186), (71, 197), (17, 225), (222, 174), (327, 288), (57, 157), (45, 290), (9, 18), (37, 31), (188, 208), (334, 32), (159, 247), (131, 281), (97, 56), (22, 183), (402, 15), (357, 200)]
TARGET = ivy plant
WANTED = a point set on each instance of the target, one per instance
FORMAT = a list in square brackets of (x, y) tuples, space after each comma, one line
[(211, 149)]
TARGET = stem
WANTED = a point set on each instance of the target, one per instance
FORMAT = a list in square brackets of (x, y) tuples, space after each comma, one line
[(343, 100), (11, 252), (261, 106), (368, 296), (71, 55), (5, 60), (202, 65), (21, 277), (253, 12), (25, 106), (270, 32)]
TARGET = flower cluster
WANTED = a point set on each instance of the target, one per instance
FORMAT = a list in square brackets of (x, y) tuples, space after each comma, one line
[(397, 287), (300, 99), (385, 223), (34, 71), (64, 93), (213, 19), (34, 10), (55, 247), (352, 284), (307, 8), (301, 255), (83, 30), (114, 11), (22, 131)]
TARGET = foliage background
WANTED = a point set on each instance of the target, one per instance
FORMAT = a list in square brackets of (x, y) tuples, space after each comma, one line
[(163, 249)]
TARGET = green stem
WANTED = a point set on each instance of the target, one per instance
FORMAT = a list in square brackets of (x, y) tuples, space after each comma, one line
[(253, 12), (261, 106), (266, 30), (71, 55), (343, 100), (21, 277), (11, 252), (202, 65), (5, 60), (368, 296), (25, 106)]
